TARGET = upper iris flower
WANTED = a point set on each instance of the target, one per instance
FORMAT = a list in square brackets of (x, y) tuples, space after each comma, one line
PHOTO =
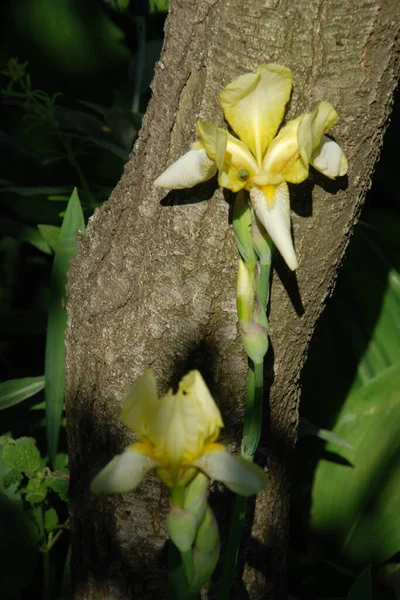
[(176, 437), (263, 160)]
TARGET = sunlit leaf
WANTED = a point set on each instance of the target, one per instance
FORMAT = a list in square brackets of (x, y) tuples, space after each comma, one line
[(21, 455), (14, 391), (356, 493), (54, 357)]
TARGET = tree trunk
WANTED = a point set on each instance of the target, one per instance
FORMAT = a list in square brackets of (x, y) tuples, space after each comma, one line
[(153, 283)]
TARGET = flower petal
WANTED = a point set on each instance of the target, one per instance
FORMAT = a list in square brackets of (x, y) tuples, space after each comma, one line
[(194, 386), (185, 422), (329, 159), (271, 205), (283, 154), (254, 105), (124, 473), (234, 160), (313, 126), (238, 474), (190, 169), (140, 404)]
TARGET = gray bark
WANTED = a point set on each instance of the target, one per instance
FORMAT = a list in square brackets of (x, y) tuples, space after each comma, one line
[(154, 284)]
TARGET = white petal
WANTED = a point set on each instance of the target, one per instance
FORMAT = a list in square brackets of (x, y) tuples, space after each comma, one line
[(238, 474), (274, 214), (329, 159), (124, 473), (190, 169)]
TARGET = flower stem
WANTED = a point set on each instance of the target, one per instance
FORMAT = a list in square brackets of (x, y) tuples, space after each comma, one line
[(251, 438)]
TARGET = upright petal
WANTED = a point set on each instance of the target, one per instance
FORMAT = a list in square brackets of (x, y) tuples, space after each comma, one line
[(140, 404), (124, 473), (239, 475), (271, 205), (254, 105), (313, 126), (190, 169), (329, 159), (283, 154), (180, 430), (195, 389), (234, 160)]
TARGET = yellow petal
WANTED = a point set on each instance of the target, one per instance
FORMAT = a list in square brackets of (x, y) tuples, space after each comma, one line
[(235, 163), (313, 126), (140, 404), (271, 205), (283, 154), (194, 387), (192, 168), (124, 473), (329, 159), (254, 105), (185, 422)]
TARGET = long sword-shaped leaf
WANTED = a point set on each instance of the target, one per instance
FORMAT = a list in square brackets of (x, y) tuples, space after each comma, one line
[(15, 391), (54, 361)]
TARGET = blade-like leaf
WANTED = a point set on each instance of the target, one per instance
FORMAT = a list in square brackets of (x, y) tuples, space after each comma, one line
[(14, 391), (54, 359), (307, 429), (51, 233), (362, 587), (356, 494), (25, 234)]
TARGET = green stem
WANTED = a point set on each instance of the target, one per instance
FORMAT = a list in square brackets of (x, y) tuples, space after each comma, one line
[(251, 438)]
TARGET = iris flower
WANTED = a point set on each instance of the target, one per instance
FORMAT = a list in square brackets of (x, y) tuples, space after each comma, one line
[(264, 159), (177, 436)]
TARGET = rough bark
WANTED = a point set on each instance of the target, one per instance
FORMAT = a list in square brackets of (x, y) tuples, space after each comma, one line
[(153, 283)]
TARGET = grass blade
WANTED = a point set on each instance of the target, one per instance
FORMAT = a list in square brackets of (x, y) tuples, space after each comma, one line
[(54, 359), (14, 391)]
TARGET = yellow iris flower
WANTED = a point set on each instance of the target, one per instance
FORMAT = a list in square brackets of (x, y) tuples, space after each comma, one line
[(262, 161), (177, 436)]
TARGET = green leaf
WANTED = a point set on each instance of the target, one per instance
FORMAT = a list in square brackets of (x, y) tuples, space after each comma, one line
[(22, 455), (50, 519), (12, 478), (59, 483), (54, 358), (355, 339), (308, 429), (35, 491), (24, 233), (14, 391), (356, 495), (362, 587), (51, 233)]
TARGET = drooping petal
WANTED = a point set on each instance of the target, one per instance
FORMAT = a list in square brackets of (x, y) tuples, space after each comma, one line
[(254, 105), (234, 160), (329, 159), (140, 404), (271, 205), (190, 169), (124, 473), (239, 475), (283, 154)]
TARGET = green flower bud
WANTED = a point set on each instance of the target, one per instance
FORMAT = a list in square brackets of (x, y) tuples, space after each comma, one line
[(205, 552), (182, 526)]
